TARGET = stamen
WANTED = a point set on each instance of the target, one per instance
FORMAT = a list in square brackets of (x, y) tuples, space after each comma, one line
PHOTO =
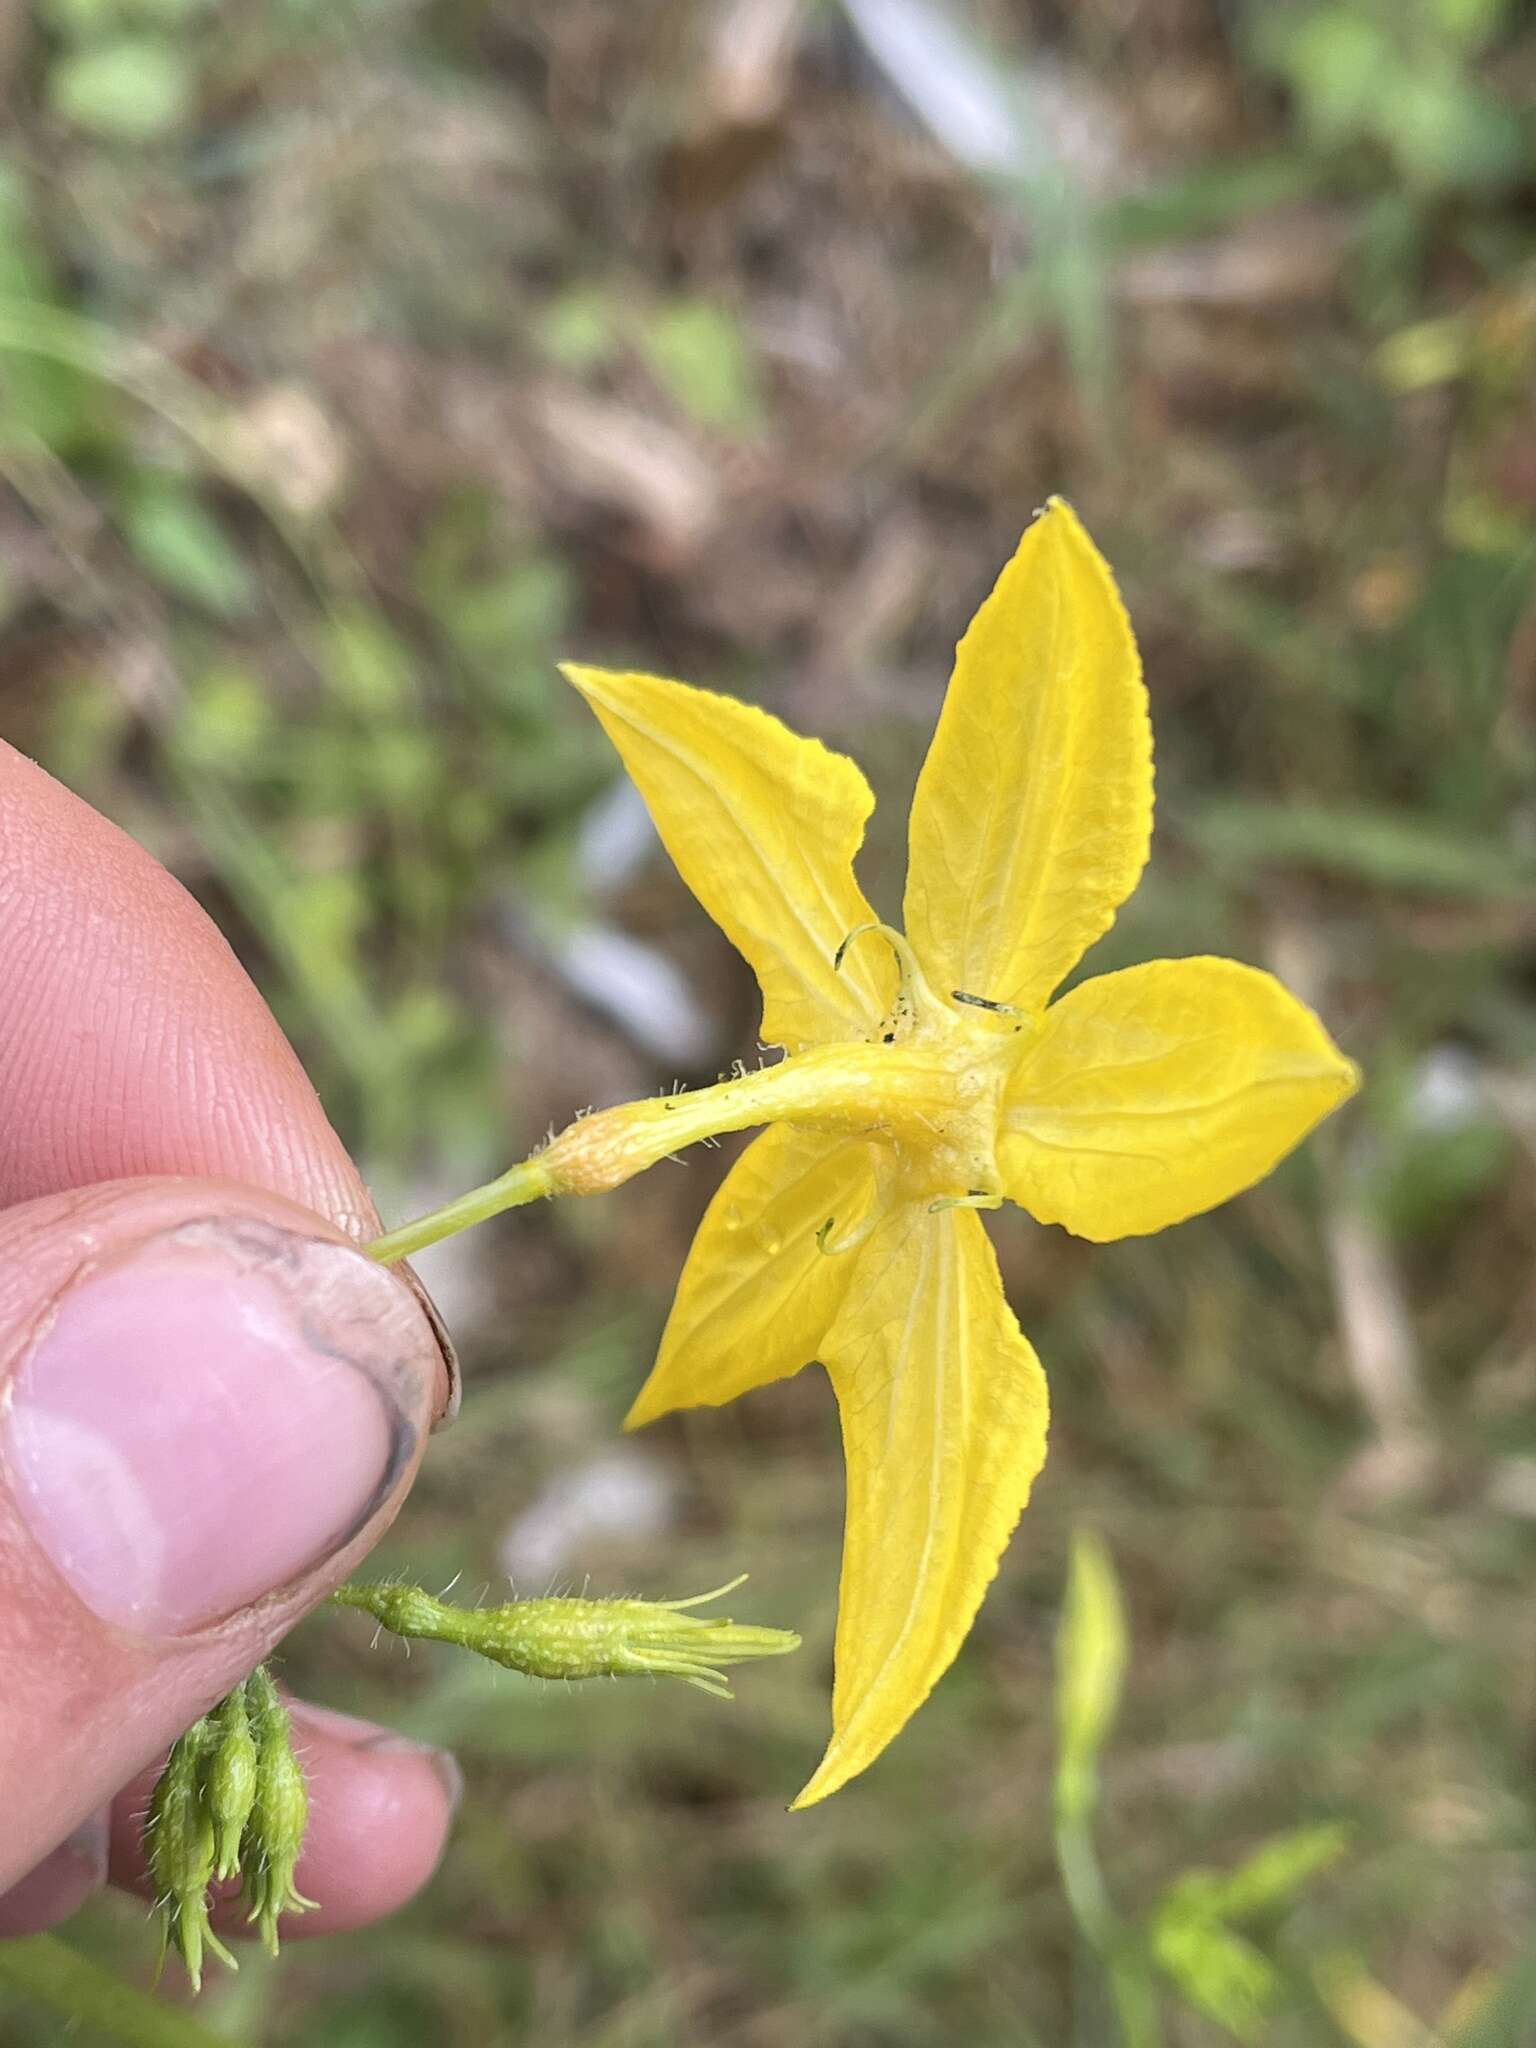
[(976, 1199), (960, 995)]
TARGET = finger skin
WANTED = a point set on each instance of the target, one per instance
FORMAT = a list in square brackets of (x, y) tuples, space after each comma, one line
[(61, 1883), (133, 1044), (379, 1814), (131, 1039), (84, 1703)]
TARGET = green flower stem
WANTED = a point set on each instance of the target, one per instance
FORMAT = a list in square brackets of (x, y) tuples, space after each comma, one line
[(1113, 1942), (848, 1090), (525, 1182), (48, 1970)]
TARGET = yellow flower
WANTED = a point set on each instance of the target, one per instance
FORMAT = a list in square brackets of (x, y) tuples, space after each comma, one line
[(929, 1076)]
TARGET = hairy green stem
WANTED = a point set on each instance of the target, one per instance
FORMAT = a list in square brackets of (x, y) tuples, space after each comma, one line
[(898, 1092)]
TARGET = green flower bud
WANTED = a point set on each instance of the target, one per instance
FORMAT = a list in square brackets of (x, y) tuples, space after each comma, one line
[(232, 1797), (581, 1638), (274, 1833), (179, 1846), (229, 1779)]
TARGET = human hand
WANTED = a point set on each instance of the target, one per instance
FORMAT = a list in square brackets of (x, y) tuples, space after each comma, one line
[(211, 1402)]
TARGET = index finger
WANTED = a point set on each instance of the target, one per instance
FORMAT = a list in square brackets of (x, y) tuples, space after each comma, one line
[(132, 1042)]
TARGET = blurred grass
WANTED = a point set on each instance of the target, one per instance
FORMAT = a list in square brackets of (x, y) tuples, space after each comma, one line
[(354, 362)]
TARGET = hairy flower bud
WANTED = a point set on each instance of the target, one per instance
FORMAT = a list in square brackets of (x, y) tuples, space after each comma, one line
[(230, 1802), (229, 1779), (179, 1846), (581, 1638), (274, 1834)]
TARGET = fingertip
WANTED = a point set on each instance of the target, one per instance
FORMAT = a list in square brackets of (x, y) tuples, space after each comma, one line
[(135, 1041), (60, 1885), (380, 1812), (210, 1408)]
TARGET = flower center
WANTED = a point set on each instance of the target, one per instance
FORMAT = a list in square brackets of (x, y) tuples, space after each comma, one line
[(927, 1088), (969, 1044)]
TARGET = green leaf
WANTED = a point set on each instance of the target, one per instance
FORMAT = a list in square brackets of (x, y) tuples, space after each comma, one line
[(1270, 1878), (1446, 132), (50, 400), (1394, 849), (133, 88), (83, 21), (578, 330), (1471, 23), (404, 767), (323, 917), (1339, 61), (698, 351), (1276, 1872), (169, 13), (364, 661), (184, 548), (89, 724), (226, 722), (1425, 1177), (425, 1022), (1220, 1974)]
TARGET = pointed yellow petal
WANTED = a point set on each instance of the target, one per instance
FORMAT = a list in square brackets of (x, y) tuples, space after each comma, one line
[(758, 1292), (1158, 1092), (944, 1413), (1033, 813), (763, 826)]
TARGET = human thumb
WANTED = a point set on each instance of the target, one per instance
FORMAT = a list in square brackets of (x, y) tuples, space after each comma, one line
[(210, 1406)]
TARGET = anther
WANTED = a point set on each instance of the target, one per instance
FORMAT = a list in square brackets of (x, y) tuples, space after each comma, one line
[(960, 995)]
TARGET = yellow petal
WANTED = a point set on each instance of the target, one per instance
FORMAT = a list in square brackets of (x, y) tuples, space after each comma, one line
[(758, 1292), (944, 1413), (1158, 1092), (763, 827), (1033, 813)]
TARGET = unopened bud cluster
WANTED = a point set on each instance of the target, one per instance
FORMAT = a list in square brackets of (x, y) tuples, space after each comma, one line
[(231, 1802)]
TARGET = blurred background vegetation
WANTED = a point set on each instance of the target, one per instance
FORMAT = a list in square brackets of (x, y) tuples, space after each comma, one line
[(359, 356)]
